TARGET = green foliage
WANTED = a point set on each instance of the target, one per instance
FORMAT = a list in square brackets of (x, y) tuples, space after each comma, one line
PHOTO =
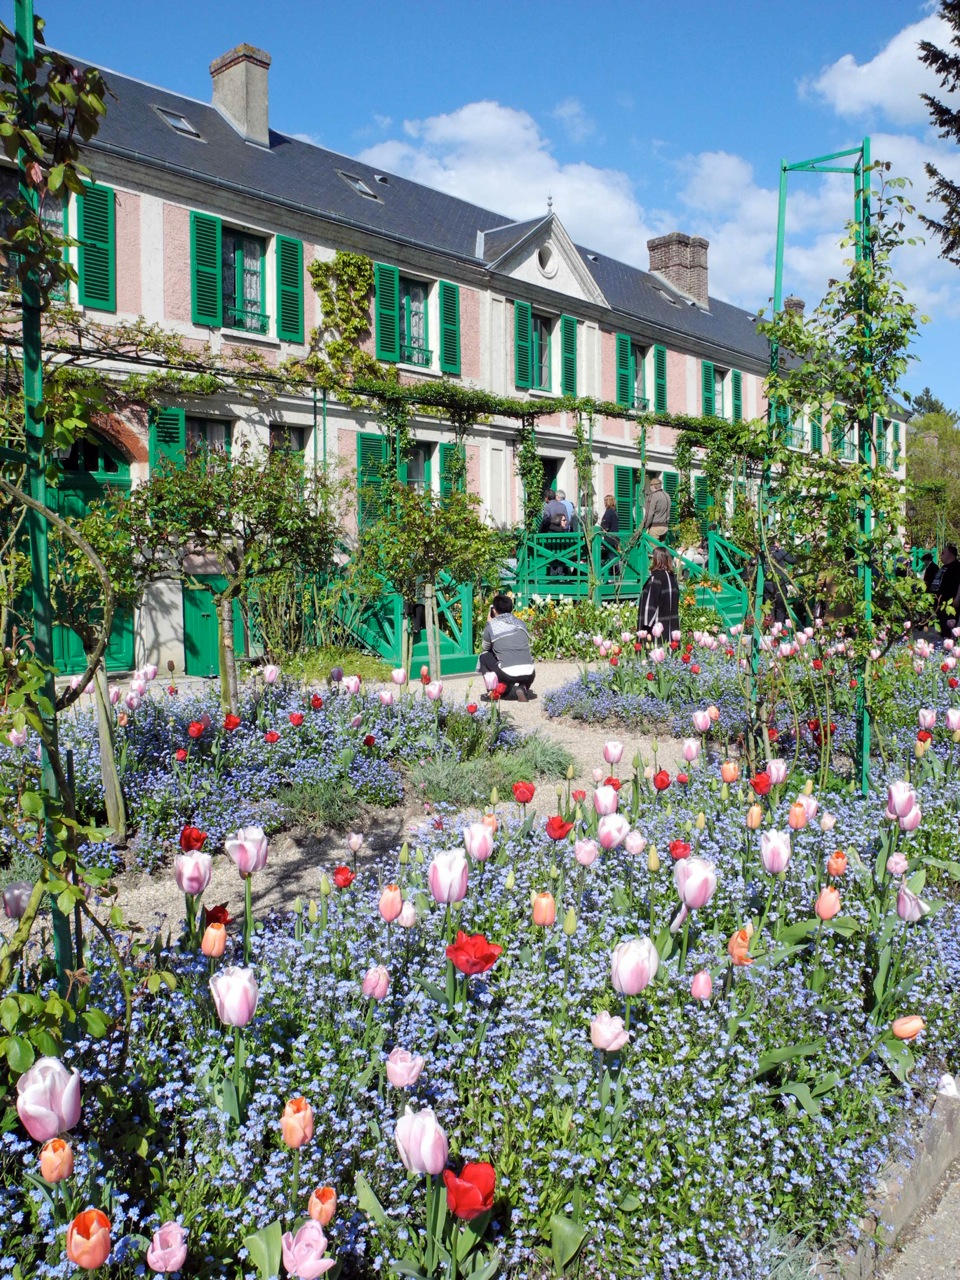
[(933, 473), (332, 803), (343, 285), (945, 64), (530, 470), (315, 665), (444, 780)]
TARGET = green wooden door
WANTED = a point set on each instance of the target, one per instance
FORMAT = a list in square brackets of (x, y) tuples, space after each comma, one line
[(91, 467), (201, 641)]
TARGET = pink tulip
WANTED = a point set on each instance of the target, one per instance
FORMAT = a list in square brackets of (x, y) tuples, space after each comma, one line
[(356, 722), (132, 701), (398, 675), (248, 849), (901, 798), (810, 804), (403, 1069), (690, 749), (897, 864), (695, 880), (607, 1033), (150, 672), (953, 720), (192, 872), (48, 1099), (139, 687), (354, 841), (911, 820), (927, 719), (605, 800), (658, 655), (168, 1248), (586, 852), (114, 695), (271, 673), (827, 904), (391, 903), (478, 840), (386, 698), (634, 965), (16, 898), (701, 988), (351, 684), (777, 771), (635, 843), (910, 908), (775, 851), (303, 1252), (701, 721), (657, 630), (17, 737), (447, 877), (434, 690), (612, 830), (408, 915), (490, 680), (421, 1142), (235, 994), (613, 752), (827, 822), (376, 983)]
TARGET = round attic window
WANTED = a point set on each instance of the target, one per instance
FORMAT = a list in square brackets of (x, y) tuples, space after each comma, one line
[(547, 261)]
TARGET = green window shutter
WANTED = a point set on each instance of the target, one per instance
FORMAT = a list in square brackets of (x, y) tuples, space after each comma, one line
[(448, 477), (624, 383), (523, 347), (708, 383), (568, 355), (736, 381), (624, 492), (671, 487), (703, 501), (816, 432), (896, 445), (387, 286), (449, 327), (168, 437), (659, 379), (205, 270), (371, 469), (97, 263), (289, 289)]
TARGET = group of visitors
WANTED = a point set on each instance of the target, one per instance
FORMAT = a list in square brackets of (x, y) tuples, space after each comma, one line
[(942, 582)]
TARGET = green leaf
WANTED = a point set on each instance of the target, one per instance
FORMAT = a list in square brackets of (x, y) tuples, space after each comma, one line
[(802, 1093), (368, 1202), (784, 1054), (31, 802), (96, 1022), (19, 1052), (566, 1237), (266, 1249), (404, 1268), (484, 1270), (794, 932), (9, 1013), (846, 926)]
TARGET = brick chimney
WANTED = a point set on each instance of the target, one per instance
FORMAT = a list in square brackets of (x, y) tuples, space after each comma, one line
[(794, 304), (240, 91), (682, 261)]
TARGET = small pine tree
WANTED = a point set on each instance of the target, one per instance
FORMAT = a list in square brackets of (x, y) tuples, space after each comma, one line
[(946, 64)]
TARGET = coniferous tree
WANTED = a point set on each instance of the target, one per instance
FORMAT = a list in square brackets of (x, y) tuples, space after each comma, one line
[(946, 64)]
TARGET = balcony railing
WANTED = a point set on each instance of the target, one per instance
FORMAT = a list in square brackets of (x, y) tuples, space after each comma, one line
[(410, 353), (793, 436), (252, 321)]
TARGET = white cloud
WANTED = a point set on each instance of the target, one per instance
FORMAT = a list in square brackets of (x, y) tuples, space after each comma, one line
[(574, 119), (890, 83), (384, 122)]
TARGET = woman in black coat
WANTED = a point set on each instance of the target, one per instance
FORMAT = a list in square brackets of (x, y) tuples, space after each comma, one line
[(660, 598)]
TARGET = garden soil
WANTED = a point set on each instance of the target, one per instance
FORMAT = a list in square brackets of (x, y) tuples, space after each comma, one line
[(930, 1249), (298, 857)]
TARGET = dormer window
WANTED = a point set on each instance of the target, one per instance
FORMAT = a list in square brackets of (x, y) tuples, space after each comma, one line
[(178, 123), (358, 185)]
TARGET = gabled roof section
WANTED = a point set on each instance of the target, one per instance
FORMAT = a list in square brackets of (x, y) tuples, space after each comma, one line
[(492, 245), (545, 255)]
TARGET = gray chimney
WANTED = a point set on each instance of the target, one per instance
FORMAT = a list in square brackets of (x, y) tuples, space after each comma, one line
[(682, 261), (240, 91), (794, 304)]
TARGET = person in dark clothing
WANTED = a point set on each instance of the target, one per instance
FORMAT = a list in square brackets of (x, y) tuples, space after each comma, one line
[(930, 570), (660, 598), (776, 581), (946, 591), (610, 524), (505, 649), (554, 518)]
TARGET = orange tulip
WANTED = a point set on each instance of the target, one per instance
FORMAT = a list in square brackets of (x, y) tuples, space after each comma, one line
[(544, 910), (714, 713), (490, 820), (797, 817), (323, 1205), (907, 1028), (56, 1160), (754, 817), (214, 941), (88, 1239), (738, 948), (837, 863), (827, 904), (296, 1123), (391, 903), (729, 771)]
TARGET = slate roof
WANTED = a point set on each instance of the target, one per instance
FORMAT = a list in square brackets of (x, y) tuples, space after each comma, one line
[(309, 177)]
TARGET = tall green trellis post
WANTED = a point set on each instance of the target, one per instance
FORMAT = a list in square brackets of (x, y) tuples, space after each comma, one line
[(35, 522), (858, 165)]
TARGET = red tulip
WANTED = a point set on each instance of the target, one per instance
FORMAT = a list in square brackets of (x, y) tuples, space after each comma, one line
[(557, 829), (216, 915), (316, 702), (679, 849), (523, 792), (613, 782), (194, 729), (343, 877), (472, 953), (231, 722), (180, 754), (271, 736), (761, 784), (296, 719), (192, 839), (472, 708), (369, 740), (579, 797), (661, 780), (472, 1193), (683, 778)]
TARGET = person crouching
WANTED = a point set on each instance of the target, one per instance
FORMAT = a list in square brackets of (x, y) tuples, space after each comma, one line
[(505, 649)]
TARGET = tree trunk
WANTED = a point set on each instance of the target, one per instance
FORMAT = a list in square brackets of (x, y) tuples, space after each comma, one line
[(112, 790), (229, 690), (433, 634), (406, 649)]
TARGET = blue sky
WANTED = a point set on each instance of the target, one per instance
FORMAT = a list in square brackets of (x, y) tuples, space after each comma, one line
[(634, 121)]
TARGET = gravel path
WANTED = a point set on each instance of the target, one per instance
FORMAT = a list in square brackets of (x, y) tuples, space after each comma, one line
[(298, 857)]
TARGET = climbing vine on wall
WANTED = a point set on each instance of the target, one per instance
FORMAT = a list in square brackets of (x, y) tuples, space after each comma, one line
[(343, 285), (530, 470)]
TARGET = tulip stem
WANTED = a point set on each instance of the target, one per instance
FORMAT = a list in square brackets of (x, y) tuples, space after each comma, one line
[(237, 1045), (247, 919), (454, 1242), (684, 943), (295, 1182), (626, 1021)]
